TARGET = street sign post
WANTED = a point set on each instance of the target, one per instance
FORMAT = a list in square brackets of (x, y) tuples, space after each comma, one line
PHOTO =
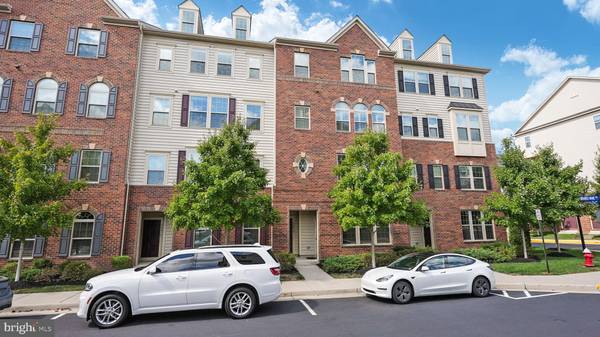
[(538, 216)]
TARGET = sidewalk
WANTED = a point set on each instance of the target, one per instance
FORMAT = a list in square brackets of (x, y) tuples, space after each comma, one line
[(568, 241)]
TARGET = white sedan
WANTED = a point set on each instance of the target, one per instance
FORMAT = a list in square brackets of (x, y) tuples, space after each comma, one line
[(236, 278), (427, 274)]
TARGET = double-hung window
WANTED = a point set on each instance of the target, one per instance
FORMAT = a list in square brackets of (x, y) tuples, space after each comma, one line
[(358, 68), (467, 87), (410, 84), (219, 108), (360, 117), (198, 111), (224, 63), (301, 65), (188, 21), (91, 161), (82, 234), (161, 110), (416, 82), (45, 96), (455, 83), (88, 41), (423, 79), (471, 178), (250, 234), (27, 248), (253, 116), (302, 117), (345, 68), (597, 122), (468, 127), (371, 78), (474, 228), (241, 28), (98, 100), (446, 53), (198, 61), (438, 177), (407, 125), (378, 118), (432, 127), (254, 64), (156, 167), (407, 49), (165, 59), (527, 142), (461, 87), (362, 236), (202, 237), (21, 35), (342, 117)]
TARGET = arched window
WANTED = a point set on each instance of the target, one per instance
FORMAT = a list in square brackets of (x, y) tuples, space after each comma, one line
[(82, 234), (360, 117), (378, 118), (45, 96), (98, 100), (342, 117)]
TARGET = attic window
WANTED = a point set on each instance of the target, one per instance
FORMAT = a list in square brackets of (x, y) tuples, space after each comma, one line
[(446, 54), (407, 49), (241, 28), (188, 21)]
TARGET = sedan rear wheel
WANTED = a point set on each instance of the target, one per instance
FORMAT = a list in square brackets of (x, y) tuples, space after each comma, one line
[(402, 292), (481, 287)]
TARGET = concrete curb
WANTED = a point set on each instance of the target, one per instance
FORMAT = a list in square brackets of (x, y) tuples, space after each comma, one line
[(569, 288), (324, 292), (568, 241)]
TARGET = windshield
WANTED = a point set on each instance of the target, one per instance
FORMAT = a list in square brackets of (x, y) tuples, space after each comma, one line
[(146, 265), (409, 261)]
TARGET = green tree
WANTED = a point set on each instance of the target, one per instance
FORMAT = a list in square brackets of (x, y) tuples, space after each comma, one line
[(225, 189), (31, 189), (595, 183), (375, 188)]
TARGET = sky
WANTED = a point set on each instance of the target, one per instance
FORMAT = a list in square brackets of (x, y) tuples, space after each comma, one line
[(531, 46)]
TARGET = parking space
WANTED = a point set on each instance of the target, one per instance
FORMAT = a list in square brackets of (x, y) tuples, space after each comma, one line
[(513, 314), (524, 294)]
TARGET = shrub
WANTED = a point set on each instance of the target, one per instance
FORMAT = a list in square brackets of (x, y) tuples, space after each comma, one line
[(41, 263), (75, 271), (345, 263), (286, 261), (121, 262), (31, 274), (493, 253), (48, 275), (10, 267), (403, 250), (381, 259)]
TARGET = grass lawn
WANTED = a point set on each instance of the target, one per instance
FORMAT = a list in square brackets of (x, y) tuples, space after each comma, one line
[(550, 237), (558, 265), (50, 289)]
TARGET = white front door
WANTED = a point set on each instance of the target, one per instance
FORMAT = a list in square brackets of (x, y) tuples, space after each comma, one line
[(168, 286), (308, 233), (212, 275)]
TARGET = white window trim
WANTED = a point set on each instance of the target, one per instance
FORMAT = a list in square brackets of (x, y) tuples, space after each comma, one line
[(194, 236), (231, 52), (35, 97), (527, 142), (461, 87), (151, 119), (442, 53), (412, 126), (194, 23), (353, 118), (308, 66), (412, 48), (365, 69), (472, 178), (9, 36), (350, 109), (208, 111), (260, 67), (435, 125), (441, 177), (295, 127), (158, 59), (468, 127), (374, 237), (81, 166), (79, 29), (417, 91), (370, 117), (596, 120), (205, 50), (209, 117), (235, 28), (93, 221), (484, 230), (261, 118), (256, 228), (12, 242), (88, 104), (166, 174)]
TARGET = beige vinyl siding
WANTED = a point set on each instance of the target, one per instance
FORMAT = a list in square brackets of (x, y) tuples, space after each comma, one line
[(432, 54), (423, 105), (180, 81)]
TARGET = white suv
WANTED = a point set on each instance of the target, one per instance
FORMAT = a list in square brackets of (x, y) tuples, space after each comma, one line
[(237, 278)]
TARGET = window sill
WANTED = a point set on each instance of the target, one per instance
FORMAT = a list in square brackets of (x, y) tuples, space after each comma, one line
[(301, 129), (366, 245), (472, 190), (87, 57), (25, 258), (82, 257), (479, 241)]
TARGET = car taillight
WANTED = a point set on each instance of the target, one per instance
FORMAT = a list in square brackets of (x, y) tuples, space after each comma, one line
[(276, 271)]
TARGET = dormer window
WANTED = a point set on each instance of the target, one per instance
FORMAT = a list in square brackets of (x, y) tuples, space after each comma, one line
[(241, 28), (446, 53), (188, 21), (407, 49)]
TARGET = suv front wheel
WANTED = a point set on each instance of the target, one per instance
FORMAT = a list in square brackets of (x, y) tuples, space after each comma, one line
[(240, 303), (109, 311)]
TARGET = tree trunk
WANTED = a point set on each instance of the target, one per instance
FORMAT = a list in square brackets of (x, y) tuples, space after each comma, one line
[(555, 230), (373, 234), (20, 261), (226, 231), (524, 243)]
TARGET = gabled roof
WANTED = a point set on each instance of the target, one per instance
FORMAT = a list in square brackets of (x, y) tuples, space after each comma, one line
[(405, 34), (242, 9), (362, 25), (192, 1), (551, 96), (113, 5), (441, 38)]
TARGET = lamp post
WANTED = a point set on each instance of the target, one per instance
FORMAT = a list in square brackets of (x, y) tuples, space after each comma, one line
[(538, 216)]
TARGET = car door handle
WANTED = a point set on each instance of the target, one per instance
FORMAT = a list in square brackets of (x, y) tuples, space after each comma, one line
[(443, 272), (181, 278), (470, 269), (228, 274)]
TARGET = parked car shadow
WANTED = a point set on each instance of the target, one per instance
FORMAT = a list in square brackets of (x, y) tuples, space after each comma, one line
[(426, 299)]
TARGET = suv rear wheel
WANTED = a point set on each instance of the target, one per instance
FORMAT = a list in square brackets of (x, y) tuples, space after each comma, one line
[(240, 303)]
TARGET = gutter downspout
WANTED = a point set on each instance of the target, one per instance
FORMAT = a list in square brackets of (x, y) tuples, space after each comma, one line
[(130, 140)]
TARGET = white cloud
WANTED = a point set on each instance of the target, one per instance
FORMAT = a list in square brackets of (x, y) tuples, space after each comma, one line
[(499, 134), (384, 1), (144, 10), (589, 9), (338, 4), (546, 70)]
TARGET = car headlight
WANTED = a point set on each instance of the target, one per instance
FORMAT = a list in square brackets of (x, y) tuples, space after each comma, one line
[(384, 278), (88, 287)]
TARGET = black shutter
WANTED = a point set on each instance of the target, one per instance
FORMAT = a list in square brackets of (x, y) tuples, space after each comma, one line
[(185, 109), (457, 177), (65, 240), (4, 247), (419, 174), (5, 95), (238, 234), (36, 38), (97, 238), (38, 246), (71, 41), (60, 98), (400, 125), (102, 46), (446, 86), (400, 81), (430, 177), (431, 84), (446, 177), (4, 23), (440, 127), (475, 88), (181, 166), (82, 100), (231, 110), (189, 239), (29, 95), (112, 102), (105, 166), (74, 166), (216, 236), (488, 178), (415, 127), (425, 127)]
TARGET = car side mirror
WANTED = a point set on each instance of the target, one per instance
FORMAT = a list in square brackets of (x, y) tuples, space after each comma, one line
[(153, 270), (424, 268)]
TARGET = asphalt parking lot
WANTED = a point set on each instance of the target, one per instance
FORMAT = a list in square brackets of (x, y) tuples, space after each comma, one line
[(504, 314)]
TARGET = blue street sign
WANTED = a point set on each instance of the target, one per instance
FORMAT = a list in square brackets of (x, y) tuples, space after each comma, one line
[(592, 199)]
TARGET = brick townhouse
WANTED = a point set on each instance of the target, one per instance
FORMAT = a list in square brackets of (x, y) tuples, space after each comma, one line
[(77, 60)]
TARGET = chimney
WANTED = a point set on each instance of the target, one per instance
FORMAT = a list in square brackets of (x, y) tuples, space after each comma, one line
[(403, 45), (190, 18), (241, 21)]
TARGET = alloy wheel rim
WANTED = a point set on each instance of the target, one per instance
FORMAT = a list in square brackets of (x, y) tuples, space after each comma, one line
[(240, 303), (109, 311), (403, 293), (481, 286)]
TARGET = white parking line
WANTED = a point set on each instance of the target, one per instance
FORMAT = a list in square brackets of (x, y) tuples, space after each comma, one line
[(59, 316), (505, 293), (526, 293), (310, 310)]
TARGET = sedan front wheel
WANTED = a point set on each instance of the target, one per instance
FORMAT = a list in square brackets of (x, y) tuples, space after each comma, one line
[(402, 292)]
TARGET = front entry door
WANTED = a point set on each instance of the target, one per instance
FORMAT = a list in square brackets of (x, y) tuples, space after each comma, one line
[(308, 233), (150, 237)]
